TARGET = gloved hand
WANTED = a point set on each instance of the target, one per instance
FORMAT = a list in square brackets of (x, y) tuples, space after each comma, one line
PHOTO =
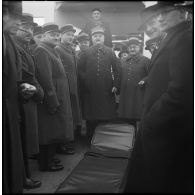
[(141, 83), (114, 90), (27, 90)]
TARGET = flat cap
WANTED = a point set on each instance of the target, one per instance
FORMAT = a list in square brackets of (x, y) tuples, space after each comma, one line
[(67, 28), (82, 36), (28, 19), (50, 27), (38, 30)]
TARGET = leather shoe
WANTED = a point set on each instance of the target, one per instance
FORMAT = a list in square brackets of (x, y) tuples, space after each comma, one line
[(55, 168), (31, 184), (65, 150), (56, 160)]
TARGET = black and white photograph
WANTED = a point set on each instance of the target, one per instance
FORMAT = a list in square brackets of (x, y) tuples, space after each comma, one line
[(98, 97)]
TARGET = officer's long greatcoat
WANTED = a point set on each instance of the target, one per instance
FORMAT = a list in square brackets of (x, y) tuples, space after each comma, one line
[(29, 108), (96, 82), (134, 69), (57, 127), (13, 165), (162, 160), (68, 57)]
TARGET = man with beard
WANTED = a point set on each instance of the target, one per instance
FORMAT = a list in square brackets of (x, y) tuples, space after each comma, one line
[(98, 86), (34, 95), (68, 58), (54, 114), (13, 165), (162, 158), (134, 69)]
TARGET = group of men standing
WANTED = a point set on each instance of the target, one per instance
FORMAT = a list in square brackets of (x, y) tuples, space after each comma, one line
[(48, 89)]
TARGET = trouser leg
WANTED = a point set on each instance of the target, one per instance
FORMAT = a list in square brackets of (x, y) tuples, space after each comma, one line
[(90, 125), (24, 146)]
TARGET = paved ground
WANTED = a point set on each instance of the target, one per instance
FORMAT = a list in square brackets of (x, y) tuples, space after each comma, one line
[(51, 180)]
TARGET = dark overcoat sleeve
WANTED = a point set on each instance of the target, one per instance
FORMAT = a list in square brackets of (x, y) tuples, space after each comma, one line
[(44, 76), (116, 64), (147, 69), (81, 70), (177, 99), (38, 96)]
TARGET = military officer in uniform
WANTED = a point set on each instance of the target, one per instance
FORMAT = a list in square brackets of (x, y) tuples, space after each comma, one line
[(54, 114), (97, 84)]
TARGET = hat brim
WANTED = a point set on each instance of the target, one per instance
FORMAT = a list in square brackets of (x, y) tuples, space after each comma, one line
[(58, 31), (98, 32), (30, 23), (38, 33), (68, 31), (83, 39)]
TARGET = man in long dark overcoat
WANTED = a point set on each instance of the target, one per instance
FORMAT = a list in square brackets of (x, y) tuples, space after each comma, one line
[(68, 57), (98, 86), (55, 114), (162, 159), (13, 165), (134, 69), (28, 109), (97, 21)]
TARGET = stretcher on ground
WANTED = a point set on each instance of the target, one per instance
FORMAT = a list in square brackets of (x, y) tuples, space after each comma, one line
[(103, 168)]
